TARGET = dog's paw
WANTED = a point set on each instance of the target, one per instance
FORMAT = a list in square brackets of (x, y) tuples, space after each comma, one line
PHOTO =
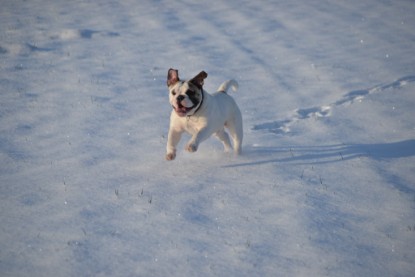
[(170, 156), (191, 147)]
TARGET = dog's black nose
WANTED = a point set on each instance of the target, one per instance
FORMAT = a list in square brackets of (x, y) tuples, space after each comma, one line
[(180, 98)]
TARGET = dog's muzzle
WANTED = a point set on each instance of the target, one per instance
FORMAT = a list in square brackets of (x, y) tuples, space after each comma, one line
[(182, 110)]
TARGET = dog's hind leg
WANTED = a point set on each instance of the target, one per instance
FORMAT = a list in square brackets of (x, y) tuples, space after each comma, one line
[(236, 131), (224, 138)]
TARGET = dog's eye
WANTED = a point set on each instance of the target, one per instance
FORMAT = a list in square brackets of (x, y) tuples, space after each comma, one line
[(190, 92), (174, 93)]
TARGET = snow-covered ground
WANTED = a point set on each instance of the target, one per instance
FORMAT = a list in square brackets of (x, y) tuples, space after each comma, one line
[(326, 184)]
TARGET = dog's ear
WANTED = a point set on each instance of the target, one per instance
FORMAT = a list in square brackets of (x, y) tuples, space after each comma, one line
[(199, 79), (172, 77)]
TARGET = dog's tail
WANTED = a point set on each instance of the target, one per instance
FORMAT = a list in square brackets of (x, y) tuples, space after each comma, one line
[(225, 86)]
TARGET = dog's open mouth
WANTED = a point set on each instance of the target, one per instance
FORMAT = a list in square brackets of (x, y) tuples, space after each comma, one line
[(182, 110)]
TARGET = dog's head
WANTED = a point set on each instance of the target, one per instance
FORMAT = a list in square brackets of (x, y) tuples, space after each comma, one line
[(185, 96)]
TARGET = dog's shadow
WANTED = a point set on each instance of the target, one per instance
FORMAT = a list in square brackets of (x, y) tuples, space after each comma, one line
[(326, 153)]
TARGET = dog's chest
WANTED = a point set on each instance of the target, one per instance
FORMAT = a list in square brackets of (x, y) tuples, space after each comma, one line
[(193, 124)]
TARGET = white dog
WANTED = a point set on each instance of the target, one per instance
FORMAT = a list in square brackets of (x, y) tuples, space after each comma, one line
[(202, 114)]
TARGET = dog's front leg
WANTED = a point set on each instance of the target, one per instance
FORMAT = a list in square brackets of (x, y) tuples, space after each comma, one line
[(172, 141), (197, 138)]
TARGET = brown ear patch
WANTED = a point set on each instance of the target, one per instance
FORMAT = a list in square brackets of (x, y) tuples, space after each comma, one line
[(172, 77), (198, 80)]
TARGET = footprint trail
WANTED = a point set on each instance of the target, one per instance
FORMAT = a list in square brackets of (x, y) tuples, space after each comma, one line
[(283, 126)]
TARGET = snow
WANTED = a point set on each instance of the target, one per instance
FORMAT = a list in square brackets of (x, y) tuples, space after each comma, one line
[(326, 183)]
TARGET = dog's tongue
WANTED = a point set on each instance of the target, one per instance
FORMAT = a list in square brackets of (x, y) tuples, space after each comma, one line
[(183, 109)]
